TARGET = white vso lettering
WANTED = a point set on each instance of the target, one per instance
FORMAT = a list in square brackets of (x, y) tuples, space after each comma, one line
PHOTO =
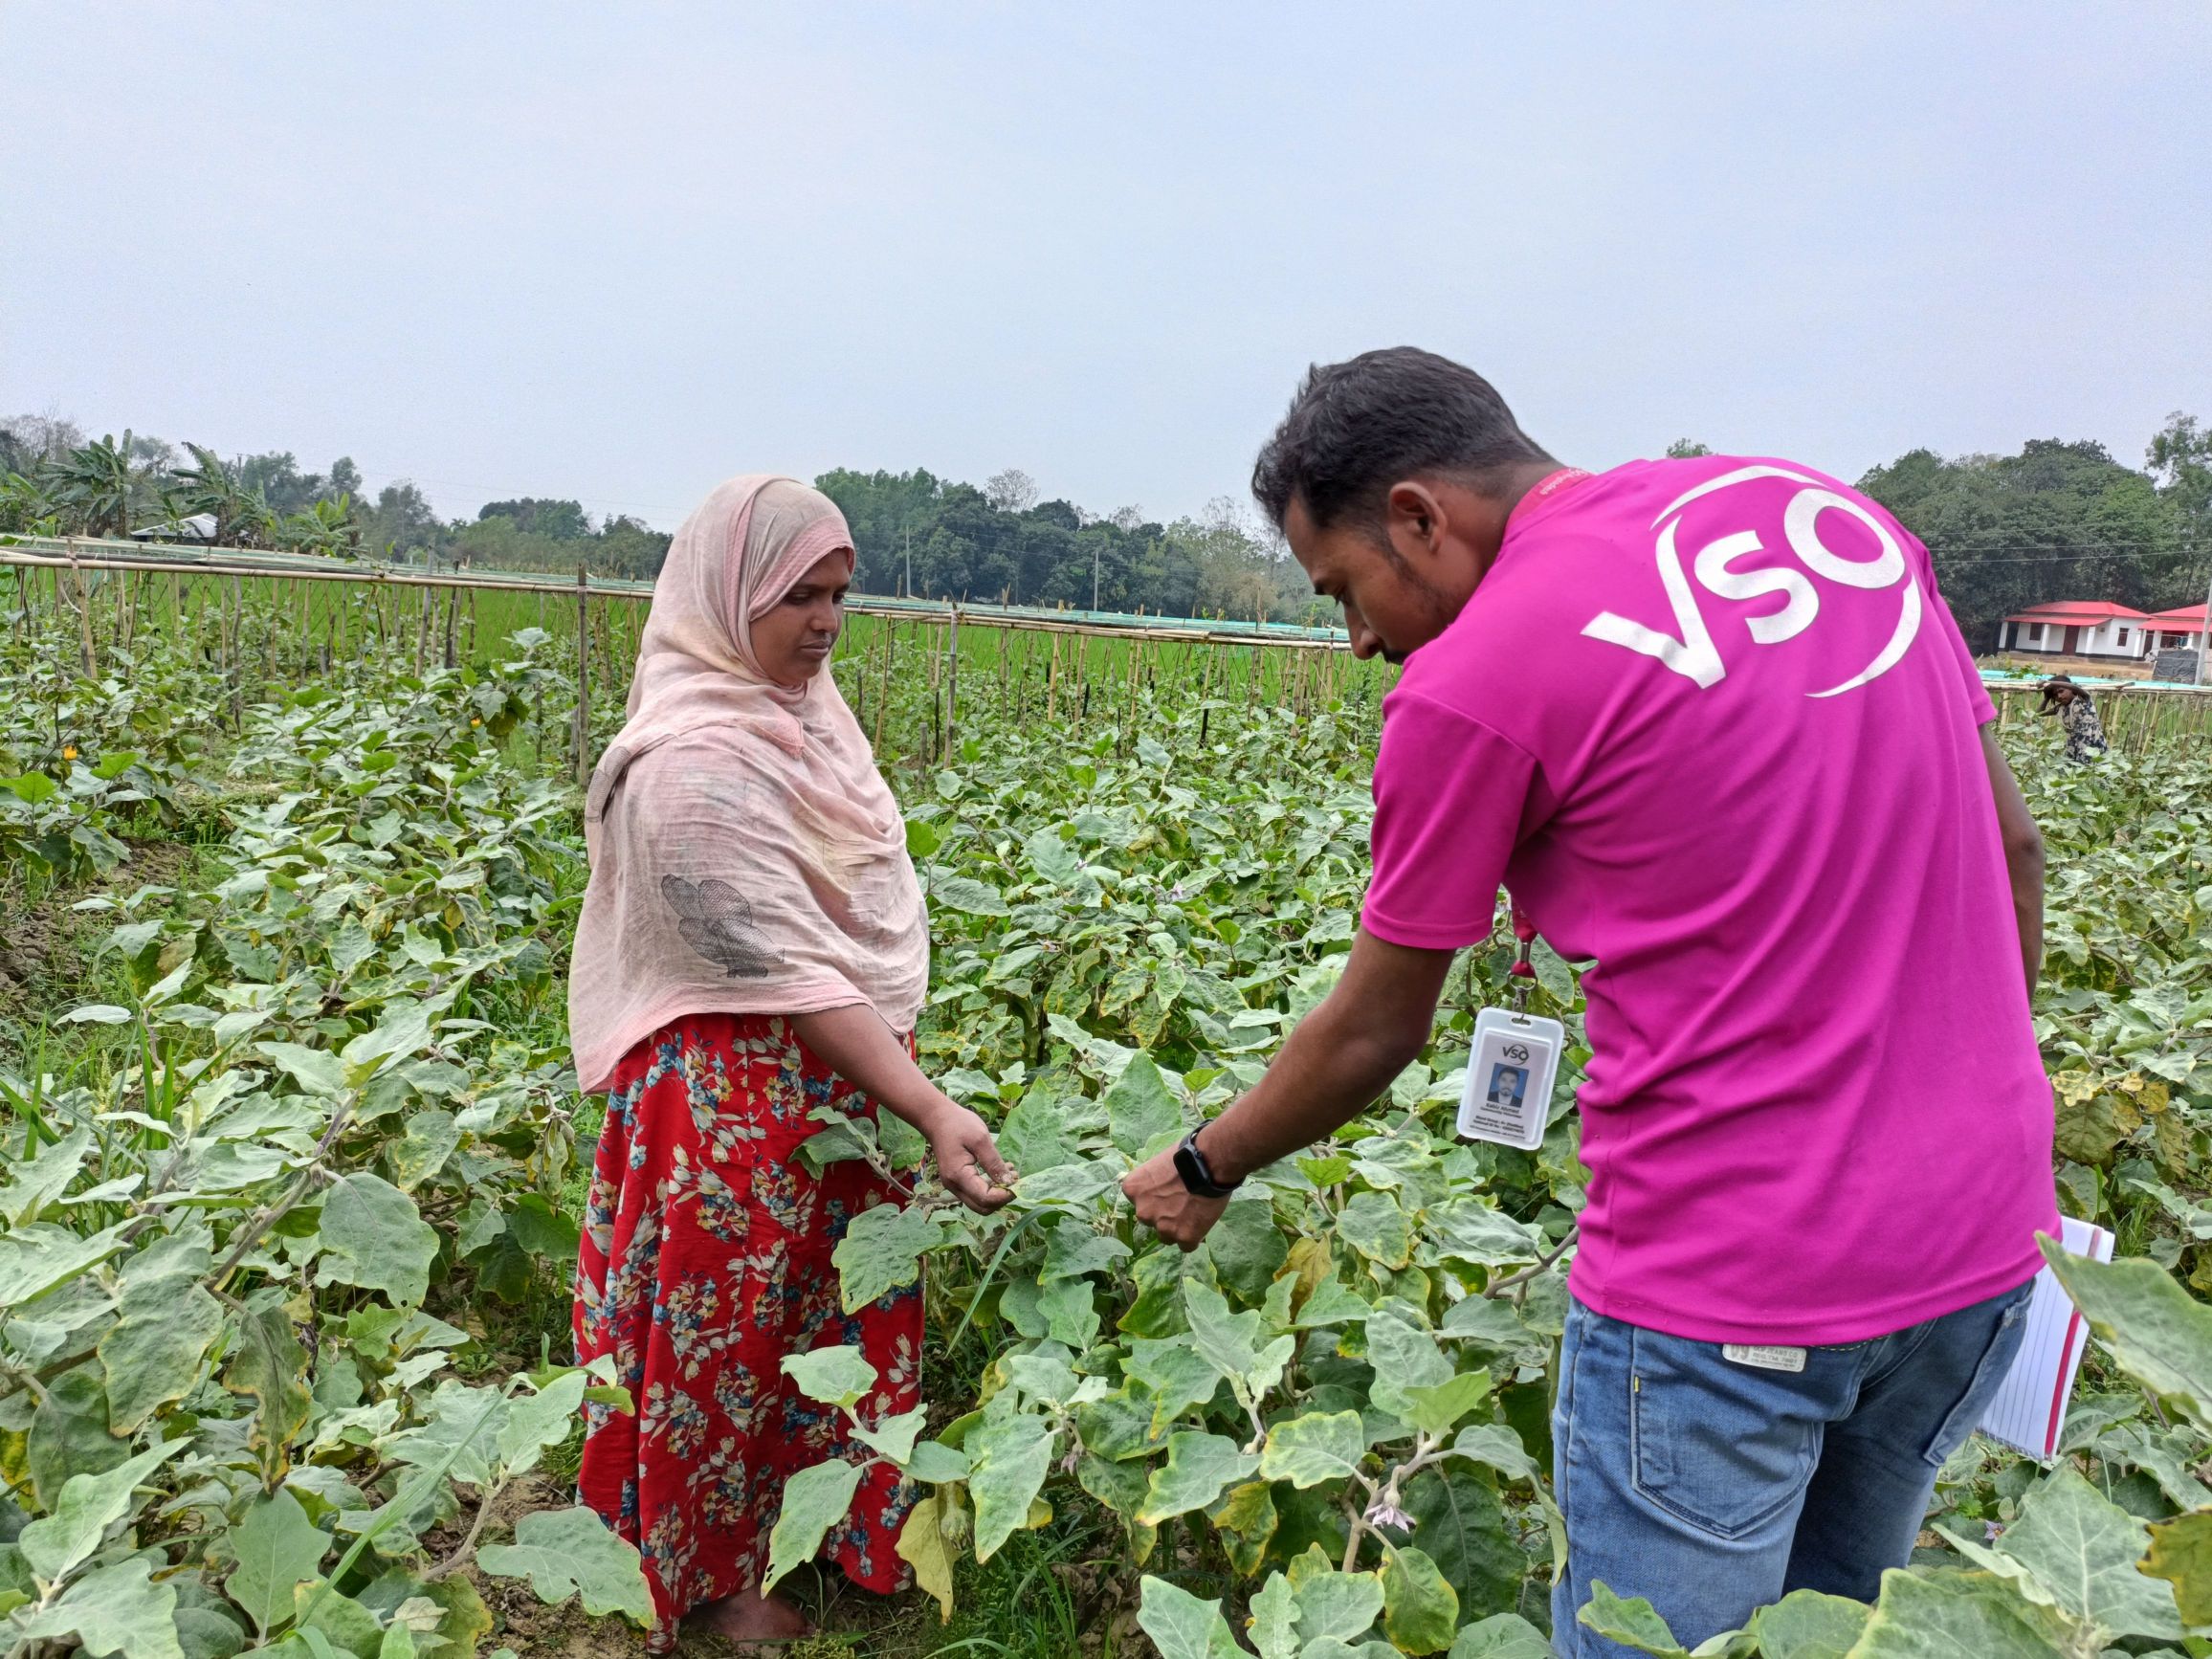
[(1690, 651)]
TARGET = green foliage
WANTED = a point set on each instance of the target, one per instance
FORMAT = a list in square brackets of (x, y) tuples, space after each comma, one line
[(301, 1085)]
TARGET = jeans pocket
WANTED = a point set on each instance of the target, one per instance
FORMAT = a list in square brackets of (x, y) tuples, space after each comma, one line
[(1988, 1374), (1723, 1446)]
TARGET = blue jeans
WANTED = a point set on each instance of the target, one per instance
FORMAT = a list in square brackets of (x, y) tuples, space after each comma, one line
[(1711, 1487)]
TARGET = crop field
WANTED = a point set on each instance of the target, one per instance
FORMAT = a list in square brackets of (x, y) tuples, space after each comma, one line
[(295, 1167)]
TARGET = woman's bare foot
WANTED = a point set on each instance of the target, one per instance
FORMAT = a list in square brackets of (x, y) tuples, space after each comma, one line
[(747, 1616)]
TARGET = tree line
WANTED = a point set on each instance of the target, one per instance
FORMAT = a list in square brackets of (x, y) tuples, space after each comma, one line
[(2056, 520)]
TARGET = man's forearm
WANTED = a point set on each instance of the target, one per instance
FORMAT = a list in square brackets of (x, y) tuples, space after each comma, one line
[(1339, 1060), (2026, 872), (1317, 1084)]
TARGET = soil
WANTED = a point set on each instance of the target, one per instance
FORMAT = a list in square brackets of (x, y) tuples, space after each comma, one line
[(43, 946)]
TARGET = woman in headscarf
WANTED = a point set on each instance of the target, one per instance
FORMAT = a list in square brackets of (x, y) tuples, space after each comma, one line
[(2077, 716), (753, 947)]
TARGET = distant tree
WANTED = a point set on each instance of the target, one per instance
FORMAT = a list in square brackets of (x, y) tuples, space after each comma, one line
[(1686, 450), (2180, 461), (562, 521), (2058, 520), (328, 527), (98, 487), (1012, 491), (402, 522), (345, 477)]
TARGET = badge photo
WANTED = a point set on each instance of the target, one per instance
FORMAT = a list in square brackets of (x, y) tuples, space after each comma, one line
[(1508, 1094)]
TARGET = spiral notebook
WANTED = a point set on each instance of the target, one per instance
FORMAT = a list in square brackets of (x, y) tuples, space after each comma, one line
[(2030, 1411)]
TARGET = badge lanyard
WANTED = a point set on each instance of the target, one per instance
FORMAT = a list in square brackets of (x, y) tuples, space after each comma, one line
[(1514, 1063)]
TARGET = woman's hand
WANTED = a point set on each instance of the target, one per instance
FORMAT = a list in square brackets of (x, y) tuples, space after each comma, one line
[(967, 1158)]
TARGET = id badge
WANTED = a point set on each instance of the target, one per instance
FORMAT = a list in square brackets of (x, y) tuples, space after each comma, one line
[(1509, 1075)]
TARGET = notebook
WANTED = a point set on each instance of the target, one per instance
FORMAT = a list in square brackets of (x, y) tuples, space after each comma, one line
[(2030, 1411)]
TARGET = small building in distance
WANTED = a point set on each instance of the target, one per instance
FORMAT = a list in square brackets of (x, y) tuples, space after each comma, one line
[(199, 527), (2082, 628), (2181, 629)]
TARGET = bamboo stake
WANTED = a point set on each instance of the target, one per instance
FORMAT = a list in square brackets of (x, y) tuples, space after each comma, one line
[(583, 678), (83, 617)]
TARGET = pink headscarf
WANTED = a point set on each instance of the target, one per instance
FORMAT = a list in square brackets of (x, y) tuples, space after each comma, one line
[(746, 856)]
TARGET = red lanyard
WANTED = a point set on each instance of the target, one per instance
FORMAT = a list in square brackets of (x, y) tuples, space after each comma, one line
[(1542, 491)]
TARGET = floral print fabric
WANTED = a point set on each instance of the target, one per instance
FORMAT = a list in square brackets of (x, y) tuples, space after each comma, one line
[(705, 1261)]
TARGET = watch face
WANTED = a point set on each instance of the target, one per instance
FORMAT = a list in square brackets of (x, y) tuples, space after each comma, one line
[(1193, 1172)]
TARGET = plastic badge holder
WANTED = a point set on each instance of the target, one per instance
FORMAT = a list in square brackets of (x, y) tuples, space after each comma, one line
[(1510, 1073)]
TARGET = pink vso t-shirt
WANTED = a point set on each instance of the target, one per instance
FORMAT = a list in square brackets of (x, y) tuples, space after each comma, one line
[(1710, 723)]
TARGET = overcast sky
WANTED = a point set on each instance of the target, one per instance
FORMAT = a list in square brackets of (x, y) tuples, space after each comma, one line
[(619, 251)]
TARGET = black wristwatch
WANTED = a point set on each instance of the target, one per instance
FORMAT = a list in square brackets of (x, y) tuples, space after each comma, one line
[(1190, 1163)]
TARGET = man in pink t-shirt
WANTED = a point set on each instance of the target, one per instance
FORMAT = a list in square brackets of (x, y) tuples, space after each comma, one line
[(1711, 724)]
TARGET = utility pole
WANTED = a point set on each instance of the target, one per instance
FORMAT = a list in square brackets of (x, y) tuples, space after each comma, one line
[(2204, 637), (1094, 576), (909, 528)]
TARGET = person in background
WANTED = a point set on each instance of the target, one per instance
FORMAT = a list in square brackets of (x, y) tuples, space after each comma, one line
[(753, 947), (2077, 716), (1710, 723)]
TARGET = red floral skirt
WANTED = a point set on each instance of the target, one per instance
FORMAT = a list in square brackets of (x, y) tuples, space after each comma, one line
[(705, 1260)]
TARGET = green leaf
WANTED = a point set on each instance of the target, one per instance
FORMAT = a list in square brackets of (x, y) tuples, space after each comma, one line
[(882, 1250), (1199, 1468), (2160, 1336), (35, 1183), (965, 894), (2181, 1554), (1334, 1603), (1420, 1610), (1436, 1407), (373, 1236), (316, 1071), (1007, 1462), (1373, 1224), (1274, 1619), (97, 1014), (1181, 1625), (2084, 1548), (1405, 1357), (535, 1422), (1808, 1625), (41, 1257), (344, 1624), (116, 1610), (1503, 1636), (895, 1437), (1459, 1524), (1944, 1614), (152, 1357), (1317, 1446), (833, 1376), (1174, 1372), (34, 787), (69, 1435), (815, 1499), (1632, 1623), (571, 1552), (278, 1549), (1140, 1110), (88, 1505)]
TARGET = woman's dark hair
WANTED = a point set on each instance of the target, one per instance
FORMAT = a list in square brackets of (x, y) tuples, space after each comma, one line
[(1356, 428), (2052, 686)]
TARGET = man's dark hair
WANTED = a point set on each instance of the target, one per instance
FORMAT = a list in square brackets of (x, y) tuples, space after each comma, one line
[(1356, 428)]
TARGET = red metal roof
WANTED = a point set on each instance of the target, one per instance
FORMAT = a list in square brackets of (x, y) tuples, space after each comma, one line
[(2078, 611), (2183, 616)]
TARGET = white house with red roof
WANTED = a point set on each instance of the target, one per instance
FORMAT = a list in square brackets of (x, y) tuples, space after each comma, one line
[(2086, 627), (2179, 630)]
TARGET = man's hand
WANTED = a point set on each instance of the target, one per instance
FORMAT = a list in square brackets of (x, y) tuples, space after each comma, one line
[(968, 1158), (1167, 1206)]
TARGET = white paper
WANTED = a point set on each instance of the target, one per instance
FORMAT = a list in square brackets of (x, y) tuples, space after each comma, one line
[(2030, 1411)]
